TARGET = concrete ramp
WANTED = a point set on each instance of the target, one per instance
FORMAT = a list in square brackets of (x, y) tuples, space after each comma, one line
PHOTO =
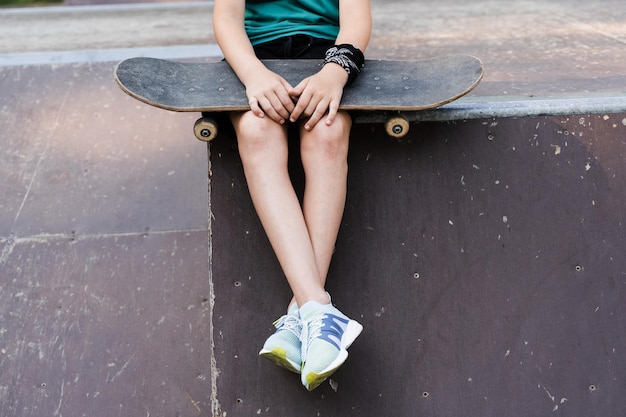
[(104, 291), (483, 253)]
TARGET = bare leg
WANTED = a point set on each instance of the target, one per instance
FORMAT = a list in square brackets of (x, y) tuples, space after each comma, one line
[(324, 153), (324, 157), (264, 152), (303, 238)]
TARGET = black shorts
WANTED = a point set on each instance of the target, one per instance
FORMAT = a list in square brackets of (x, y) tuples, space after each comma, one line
[(294, 47)]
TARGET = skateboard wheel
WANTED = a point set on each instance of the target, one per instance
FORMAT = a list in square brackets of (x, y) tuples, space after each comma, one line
[(397, 126), (205, 129)]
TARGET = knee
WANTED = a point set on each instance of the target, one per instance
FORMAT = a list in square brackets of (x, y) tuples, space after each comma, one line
[(258, 137), (327, 143)]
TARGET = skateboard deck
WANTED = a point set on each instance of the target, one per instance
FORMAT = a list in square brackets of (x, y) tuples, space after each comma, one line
[(383, 86)]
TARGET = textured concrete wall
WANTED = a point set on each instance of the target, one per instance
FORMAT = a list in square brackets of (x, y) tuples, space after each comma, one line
[(484, 259)]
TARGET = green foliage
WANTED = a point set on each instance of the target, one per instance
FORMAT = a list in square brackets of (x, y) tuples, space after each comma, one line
[(9, 3)]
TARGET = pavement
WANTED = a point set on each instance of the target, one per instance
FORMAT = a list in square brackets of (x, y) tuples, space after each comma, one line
[(105, 215), (533, 47)]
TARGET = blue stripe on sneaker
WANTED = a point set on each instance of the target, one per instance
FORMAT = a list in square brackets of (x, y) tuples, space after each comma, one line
[(333, 328)]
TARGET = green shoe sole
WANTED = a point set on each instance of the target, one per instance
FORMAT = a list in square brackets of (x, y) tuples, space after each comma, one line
[(279, 357)]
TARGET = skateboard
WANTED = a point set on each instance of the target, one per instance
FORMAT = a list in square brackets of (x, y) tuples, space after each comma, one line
[(384, 87)]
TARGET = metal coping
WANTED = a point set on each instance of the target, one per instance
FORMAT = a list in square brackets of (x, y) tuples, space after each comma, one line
[(110, 55), (483, 107)]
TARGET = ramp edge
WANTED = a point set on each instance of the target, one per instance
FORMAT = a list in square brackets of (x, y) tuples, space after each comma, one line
[(486, 107)]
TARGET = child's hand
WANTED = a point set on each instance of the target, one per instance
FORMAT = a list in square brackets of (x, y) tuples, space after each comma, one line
[(268, 93), (319, 95)]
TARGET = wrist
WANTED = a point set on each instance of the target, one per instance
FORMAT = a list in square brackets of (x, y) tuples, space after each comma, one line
[(335, 71), (348, 57)]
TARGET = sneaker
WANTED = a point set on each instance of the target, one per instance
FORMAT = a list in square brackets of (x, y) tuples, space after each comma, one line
[(326, 334), (284, 347)]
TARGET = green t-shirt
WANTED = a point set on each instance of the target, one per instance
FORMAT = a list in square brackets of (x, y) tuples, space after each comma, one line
[(267, 20)]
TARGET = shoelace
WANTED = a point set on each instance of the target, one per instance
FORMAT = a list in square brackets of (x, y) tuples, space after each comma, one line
[(290, 323), (310, 331)]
